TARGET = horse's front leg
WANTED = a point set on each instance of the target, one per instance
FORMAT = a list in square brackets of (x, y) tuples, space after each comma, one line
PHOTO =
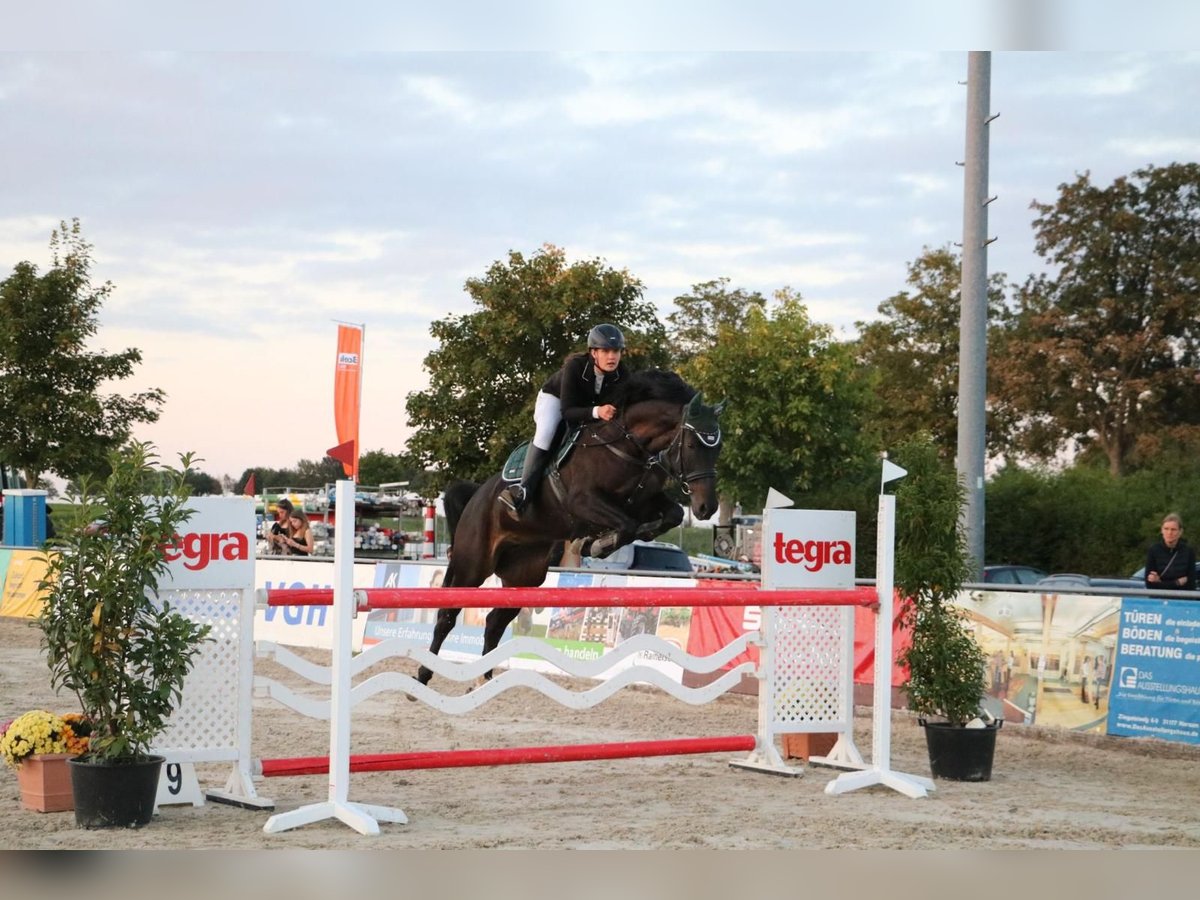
[(602, 545), (654, 516), (661, 515), (441, 630), (615, 526)]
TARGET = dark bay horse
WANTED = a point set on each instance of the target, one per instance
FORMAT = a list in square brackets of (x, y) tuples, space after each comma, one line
[(610, 490)]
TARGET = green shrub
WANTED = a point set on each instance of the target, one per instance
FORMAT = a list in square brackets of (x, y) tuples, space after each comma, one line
[(945, 663), (106, 638)]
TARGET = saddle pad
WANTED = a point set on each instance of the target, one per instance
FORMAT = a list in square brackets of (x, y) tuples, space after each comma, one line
[(515, 464)]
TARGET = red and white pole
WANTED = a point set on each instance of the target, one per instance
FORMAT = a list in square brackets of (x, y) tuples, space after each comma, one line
[(428, 552)]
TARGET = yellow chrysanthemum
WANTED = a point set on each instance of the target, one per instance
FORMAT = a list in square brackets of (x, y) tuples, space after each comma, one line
[(37, 731)]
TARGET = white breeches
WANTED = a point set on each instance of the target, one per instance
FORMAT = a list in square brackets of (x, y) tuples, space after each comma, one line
[(547, 413)]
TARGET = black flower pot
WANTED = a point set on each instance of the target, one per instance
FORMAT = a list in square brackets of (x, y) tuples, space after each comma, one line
[(115, 794), (961, 754)]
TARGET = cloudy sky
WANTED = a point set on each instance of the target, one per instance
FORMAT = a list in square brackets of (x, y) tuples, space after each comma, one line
[(241, 202)]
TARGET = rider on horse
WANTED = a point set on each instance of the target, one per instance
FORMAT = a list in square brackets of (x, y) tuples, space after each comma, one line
[(579, 392)]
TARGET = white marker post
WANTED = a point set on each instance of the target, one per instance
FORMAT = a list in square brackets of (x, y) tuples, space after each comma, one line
[(362, 817), (880, 771)]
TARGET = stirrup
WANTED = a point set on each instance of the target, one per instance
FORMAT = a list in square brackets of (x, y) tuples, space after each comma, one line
[(515, 504)]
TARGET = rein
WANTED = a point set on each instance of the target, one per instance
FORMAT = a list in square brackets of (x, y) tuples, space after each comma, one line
[(661, 459)]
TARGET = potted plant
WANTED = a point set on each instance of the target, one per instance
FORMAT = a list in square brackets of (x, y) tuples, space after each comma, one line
[(946, 665), (107, 637), (38, 744)]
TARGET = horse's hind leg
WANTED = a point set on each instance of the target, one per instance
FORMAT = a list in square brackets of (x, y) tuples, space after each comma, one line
[(445, 617), (493, 629), (441, 630), (516, 569)]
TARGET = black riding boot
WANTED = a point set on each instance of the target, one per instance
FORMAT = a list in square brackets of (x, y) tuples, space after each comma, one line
[(517, 496)]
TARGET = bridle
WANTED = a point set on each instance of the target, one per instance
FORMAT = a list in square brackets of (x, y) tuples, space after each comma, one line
[(675, 469), (707, 438)]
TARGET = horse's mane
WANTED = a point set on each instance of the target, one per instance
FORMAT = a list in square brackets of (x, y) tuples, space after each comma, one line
[(653, 384)]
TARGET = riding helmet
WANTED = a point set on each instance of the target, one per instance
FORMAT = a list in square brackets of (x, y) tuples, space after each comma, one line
[(606, 337)]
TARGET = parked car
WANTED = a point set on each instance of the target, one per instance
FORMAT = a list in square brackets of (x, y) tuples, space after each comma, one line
[(652, 556), (1012, 575), (1068, 580), (1140, 574)]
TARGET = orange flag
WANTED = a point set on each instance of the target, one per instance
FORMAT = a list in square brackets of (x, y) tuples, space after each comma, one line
[(249, 490), (347, 390)]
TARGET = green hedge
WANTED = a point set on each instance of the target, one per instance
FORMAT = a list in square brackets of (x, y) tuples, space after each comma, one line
[(1084, 520)]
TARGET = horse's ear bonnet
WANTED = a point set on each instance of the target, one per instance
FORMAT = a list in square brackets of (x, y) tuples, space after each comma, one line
[(703, 419)]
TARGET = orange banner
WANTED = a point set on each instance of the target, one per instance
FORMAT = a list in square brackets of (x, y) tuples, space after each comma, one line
[(347, 389)]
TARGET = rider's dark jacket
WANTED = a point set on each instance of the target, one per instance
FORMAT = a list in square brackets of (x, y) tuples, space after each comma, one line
[(575, 387)]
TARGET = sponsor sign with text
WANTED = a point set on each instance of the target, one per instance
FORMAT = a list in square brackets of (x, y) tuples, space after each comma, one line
[(808, 548), (1156, 688), (215, 547)]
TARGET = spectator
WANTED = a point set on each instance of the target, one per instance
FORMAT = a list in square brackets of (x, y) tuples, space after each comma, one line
[(280, 531), (1171, 562), (300, 540)]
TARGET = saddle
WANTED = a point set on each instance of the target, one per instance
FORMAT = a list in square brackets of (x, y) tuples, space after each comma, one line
[(564, 444)]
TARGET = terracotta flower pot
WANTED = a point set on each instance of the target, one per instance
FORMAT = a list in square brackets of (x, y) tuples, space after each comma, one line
[(45, 781)]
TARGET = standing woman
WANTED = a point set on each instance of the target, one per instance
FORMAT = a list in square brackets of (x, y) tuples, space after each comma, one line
[(579, 392), (1171, 562), (278, 533), (300, 542)]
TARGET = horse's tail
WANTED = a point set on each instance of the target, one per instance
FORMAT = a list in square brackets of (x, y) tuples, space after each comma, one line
[(454, 501)]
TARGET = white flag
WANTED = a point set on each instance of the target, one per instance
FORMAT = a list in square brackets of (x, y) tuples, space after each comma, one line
[(776, 500), (891, 472)]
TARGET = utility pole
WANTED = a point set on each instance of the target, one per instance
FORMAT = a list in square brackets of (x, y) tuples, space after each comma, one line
[(972, 342)]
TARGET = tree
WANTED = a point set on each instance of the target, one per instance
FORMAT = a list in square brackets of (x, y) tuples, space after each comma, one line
[(912, 353), (201, 483), (318, 472), (700, 315), (306, 474), (795, 403), (1103, 352), (54, 415), (375, 467), (380, 467), (484, 376)]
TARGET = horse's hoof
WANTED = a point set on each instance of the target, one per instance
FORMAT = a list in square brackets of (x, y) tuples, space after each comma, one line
[(410, 697)]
